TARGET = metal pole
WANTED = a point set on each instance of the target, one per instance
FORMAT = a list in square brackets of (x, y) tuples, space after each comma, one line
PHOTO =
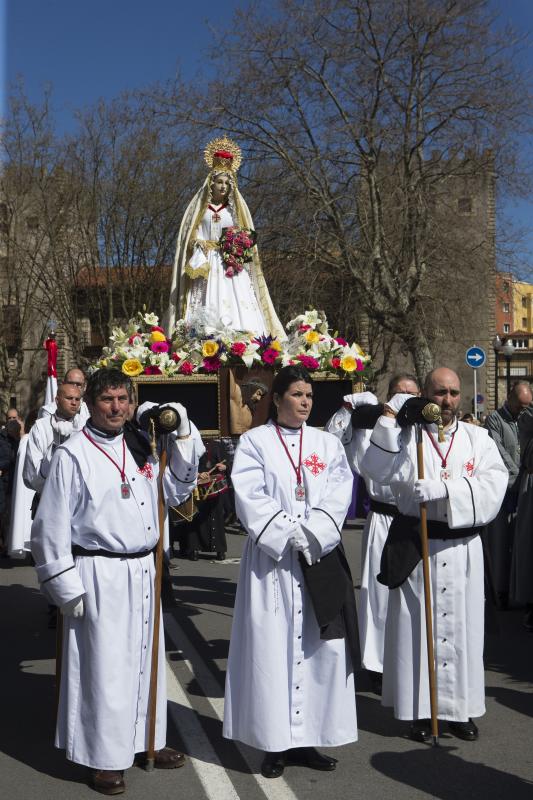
[(495, 379), (508, 359), (475, 394)]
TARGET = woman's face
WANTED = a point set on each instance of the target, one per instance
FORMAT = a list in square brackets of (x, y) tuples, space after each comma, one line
[(220, 188), (295, 405)]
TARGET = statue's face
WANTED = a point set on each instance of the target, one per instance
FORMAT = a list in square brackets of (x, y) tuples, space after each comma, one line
[(220, 188)]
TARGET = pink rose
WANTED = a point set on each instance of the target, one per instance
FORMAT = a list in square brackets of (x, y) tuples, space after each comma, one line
[(211, 364), (335, 362), (270, 356), (175, 357), (152, 371), (341, 341), (229, 272), (159, 347), (303, 328), (308, 362), (238, 348), (360, 365), (186, 368)]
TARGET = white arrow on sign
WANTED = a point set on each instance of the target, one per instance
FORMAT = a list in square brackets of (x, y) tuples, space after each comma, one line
[(476, 357)]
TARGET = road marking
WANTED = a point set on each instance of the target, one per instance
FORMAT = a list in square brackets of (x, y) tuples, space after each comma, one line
[(277, 789), (206, 763)]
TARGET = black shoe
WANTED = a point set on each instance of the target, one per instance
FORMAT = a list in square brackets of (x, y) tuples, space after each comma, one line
[(221, 556), (464, 730), (273, 765), (376, 681), (420, 730), (309, 757)]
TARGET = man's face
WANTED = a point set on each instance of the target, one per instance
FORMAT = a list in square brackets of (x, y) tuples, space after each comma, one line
[(405, 386), (12, 414), (519, 400), (444, 389), (68, 400), (111, 408), (75, 377)]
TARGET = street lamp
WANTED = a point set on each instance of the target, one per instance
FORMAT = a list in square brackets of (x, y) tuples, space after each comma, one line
[(497, 346), (508, 350)]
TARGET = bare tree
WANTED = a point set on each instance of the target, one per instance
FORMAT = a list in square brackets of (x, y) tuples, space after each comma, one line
[(368, 106)]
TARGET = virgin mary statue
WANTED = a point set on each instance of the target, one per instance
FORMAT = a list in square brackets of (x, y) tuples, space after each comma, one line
[(204, 288)]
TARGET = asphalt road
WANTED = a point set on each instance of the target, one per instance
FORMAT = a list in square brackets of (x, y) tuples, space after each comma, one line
[(383, 764)]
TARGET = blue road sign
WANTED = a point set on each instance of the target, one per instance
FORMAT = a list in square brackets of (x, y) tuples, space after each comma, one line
[(475, 357)]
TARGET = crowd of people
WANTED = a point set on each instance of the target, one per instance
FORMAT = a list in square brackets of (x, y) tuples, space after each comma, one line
[(85, 497)]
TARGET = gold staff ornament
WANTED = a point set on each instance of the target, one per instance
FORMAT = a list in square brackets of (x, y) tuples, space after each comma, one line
[(223, 154), (432, 413)]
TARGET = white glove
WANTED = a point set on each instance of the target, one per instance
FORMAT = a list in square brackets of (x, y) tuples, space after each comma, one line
[(426, 490), (185, 426), (361, 399), (74, 608), (308, 545), (397, 401)]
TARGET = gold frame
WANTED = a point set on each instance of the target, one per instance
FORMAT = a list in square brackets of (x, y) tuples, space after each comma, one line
[(177, 379)]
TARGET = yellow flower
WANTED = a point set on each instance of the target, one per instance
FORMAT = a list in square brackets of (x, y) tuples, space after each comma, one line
[(209, 348), (349, 363), (132, 367), (312, 337), (275, 345), (103, 362), (157, 336)]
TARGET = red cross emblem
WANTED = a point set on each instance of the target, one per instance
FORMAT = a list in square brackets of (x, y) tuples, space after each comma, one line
[(314, 464), (469, 467), (147, 471)]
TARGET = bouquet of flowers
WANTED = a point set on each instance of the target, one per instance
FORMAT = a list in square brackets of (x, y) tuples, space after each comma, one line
[(236, 249)]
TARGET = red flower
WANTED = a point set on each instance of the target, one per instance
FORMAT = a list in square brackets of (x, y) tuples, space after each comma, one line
[(156, 328), (134, 337), (270, 356), (303, 328), (152, 371), (341, 341), (186, 368), (360, 365), (175, 357), (335, 362), (211, 364), (159, 347), (238, 348), (229, 273), (308, 362)]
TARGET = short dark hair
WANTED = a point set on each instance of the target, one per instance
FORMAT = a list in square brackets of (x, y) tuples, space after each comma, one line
[(283, 380), (401, 376), (107, 378)]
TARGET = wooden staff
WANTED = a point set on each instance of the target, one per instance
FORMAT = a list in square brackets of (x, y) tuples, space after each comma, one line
[(152, 703), (427, 591)]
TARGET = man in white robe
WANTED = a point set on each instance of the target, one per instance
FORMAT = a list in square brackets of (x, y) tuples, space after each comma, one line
[(92, 541), (374, 597), (464, 485), (73, 377)]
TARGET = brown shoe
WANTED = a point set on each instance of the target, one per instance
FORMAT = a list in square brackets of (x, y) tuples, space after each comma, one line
[(107, 781), (167, 758)]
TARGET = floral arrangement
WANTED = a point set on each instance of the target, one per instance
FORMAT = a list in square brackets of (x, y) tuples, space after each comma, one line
[(236, 249), (142, 348)]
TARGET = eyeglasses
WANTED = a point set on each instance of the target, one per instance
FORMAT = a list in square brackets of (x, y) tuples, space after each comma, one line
[(74, 383)]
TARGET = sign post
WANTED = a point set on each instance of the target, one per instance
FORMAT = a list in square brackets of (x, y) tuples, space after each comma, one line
[(475, 358)]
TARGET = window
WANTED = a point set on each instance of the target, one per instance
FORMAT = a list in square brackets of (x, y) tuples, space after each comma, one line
[(524, 302), (520, 344), (524, 322), (505, 308), (505, 286), (506, 328), (518, 372), (464, 205)]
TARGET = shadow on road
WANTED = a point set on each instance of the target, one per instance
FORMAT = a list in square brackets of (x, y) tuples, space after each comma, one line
[(441, 774)]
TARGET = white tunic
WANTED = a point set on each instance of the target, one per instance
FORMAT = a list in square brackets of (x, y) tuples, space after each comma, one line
[(231, 301), (476, 486), (374, 597), (46, 435), (21, 500), (285, 687), (102, 717)]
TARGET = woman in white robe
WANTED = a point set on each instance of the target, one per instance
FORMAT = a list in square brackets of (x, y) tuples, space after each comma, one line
[(288, 690), (201, 291), (21, 501)]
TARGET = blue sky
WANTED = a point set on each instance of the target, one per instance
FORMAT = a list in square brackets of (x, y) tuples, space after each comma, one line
[(87, 49)]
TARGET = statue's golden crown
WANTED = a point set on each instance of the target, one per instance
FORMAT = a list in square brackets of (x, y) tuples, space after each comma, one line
[(223, 154)]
